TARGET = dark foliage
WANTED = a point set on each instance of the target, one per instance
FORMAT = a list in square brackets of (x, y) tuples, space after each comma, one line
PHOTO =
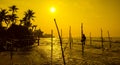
[(17, 35), (2, 38), (38, 33), (21, 34)]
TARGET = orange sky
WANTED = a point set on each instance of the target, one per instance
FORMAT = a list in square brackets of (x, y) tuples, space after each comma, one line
[(94, 14)]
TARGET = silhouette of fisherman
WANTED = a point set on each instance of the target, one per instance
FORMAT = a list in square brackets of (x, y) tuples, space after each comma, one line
[(83, 39)]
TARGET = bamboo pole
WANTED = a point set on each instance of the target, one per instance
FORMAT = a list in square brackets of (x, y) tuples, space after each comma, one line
[(70, 42), (60, 42), (102, 40), (90, 40), (70, 38), (81, 38), (81, 29), (109, 39), (51, 47)]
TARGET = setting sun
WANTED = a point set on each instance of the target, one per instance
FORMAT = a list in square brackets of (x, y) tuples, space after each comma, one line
[(52, 9), (60, 32)]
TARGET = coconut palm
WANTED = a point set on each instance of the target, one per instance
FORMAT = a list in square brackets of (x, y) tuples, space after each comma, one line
[(13, 16), (13, 9), (10, 18), (29, 15), (3, 14), (7, 20), (34, 27), (21, 22)]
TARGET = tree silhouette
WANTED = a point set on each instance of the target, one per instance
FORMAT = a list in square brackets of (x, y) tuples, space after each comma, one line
[(34, 27), (8, 20), (21, 34), (38, 33), (13, 9), (29, 15), (13, 17), (3, 14)]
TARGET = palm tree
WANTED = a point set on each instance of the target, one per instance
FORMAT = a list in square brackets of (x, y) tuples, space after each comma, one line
[(34, 27), (29, 15), (13, 9), (13, 16), (3, 14), (7, 20), (21, 22), (10, 18)]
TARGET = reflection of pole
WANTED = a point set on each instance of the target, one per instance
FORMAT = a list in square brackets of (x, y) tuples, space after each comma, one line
[(11, 48), (60, 41), (11, 54), (51, 46), (109, 39), (102, 40), (61, 33), (81, 38)]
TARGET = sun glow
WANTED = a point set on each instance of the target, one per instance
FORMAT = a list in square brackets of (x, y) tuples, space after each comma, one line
[(52, 9)]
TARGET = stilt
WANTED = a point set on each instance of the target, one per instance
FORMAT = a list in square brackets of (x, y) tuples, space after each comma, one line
[(60, 41), (51, 47), (109, 39), (81, 38), (70, 38), (90, 40), (102, 40)]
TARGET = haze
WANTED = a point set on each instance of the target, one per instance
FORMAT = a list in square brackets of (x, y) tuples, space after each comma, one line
[(94, 14)]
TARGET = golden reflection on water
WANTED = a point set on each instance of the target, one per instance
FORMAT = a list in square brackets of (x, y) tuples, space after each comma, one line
[(45, 45)]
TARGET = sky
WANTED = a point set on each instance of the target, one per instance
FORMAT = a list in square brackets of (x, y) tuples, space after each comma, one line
[(94, 14)]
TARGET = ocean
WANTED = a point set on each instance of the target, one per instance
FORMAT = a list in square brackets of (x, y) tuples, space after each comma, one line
[(41, 54)]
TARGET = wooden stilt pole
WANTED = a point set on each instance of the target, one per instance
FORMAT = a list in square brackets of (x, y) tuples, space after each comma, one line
[(109, 39), (60, 41), (70, 38), (70, 43), (81, 38), (102, 40), (51, 47), (90, 40)]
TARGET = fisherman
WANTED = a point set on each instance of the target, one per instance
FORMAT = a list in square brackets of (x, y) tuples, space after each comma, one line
[(83, 39)]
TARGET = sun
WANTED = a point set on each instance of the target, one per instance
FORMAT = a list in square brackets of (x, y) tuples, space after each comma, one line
[(52, 9)]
